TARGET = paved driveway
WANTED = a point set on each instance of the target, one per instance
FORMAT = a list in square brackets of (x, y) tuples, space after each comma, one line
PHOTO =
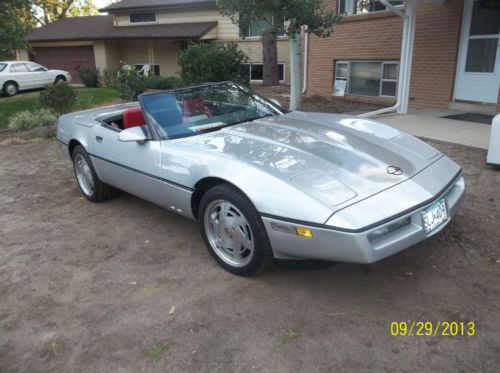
[(91, 287)]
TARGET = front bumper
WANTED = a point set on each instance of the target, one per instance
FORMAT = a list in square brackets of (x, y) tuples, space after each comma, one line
[(358, 247)]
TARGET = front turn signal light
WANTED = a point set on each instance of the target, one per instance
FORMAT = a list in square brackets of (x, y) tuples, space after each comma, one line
[(304, 232)]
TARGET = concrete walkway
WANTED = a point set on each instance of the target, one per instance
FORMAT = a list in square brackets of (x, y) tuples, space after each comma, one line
[(424, 125)]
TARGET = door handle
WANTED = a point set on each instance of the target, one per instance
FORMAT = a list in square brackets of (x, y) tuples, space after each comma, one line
[(98, 139)]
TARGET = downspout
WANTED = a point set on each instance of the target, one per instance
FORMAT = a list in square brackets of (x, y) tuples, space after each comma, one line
[(304, 65), (402, 98)]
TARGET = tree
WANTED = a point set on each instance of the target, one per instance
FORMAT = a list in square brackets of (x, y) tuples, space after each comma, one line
[(19, 16), (46, 11), (212, 63), (292, 16), (13, 16)]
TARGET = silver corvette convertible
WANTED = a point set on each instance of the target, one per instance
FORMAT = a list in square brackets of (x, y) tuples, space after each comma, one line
[(262, 182)]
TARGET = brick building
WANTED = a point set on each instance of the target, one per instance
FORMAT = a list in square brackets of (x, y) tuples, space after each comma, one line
[(456, 54)]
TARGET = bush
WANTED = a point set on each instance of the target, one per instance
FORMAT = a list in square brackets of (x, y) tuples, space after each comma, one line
[(90, 75), (59, 98), (163, 82), (108, 77), (129, 85), (26, 120), (213, 63)]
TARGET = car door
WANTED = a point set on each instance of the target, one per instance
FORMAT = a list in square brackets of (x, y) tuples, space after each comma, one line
[(22, 76), (41, 76), (130, 166)]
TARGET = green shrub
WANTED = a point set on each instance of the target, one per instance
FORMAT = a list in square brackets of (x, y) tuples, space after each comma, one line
[(163, 82), (59, 98), (129, 85), (26, 120), (109, 77), (90, 75), (213, 63)]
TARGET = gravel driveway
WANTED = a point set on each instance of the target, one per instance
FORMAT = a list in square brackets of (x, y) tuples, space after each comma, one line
[(125, 286)]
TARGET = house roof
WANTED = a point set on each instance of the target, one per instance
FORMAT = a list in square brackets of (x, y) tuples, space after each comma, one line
[(126, 5), (103, 28)]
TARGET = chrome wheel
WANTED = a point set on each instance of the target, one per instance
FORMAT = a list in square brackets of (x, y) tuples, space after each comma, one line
[(229, 233), (84, 175), (11, 89)]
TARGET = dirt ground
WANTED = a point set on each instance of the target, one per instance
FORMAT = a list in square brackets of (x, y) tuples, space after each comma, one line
[(90, 287)]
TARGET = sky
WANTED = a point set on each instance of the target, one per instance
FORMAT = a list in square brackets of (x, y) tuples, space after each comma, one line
[(101, 3)]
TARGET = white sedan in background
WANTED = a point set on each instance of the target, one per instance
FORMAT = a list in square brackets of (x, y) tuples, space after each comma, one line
[(17, 76)]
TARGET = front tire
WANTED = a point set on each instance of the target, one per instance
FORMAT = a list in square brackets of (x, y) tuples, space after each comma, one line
[(59, 79), (10, 89), (233, 231), (91, 187)]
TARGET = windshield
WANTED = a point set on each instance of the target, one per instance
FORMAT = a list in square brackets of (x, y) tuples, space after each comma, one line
[(2, 66), (191, 111)]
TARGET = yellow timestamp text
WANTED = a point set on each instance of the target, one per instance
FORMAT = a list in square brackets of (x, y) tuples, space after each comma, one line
[(431, 329)]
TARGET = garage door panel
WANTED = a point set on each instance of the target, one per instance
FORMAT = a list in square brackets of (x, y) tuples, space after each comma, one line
[(64, 58)]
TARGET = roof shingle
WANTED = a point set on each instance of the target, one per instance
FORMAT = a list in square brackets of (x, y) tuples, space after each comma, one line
[(125, 5), (102, 28)]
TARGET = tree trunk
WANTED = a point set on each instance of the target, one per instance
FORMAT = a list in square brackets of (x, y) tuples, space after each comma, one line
[(270, 57), (295, 73)]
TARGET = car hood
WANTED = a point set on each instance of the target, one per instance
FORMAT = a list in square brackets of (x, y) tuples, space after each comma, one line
[(334, 159)]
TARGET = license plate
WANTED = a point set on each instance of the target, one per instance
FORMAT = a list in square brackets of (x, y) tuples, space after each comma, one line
[(435, 215)]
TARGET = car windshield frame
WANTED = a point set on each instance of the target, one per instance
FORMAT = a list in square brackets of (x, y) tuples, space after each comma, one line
[(197, 110), (3, 66)]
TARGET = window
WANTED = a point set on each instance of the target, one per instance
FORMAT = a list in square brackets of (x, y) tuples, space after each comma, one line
[(3, 66), (256, 71), (366, 78), (33, 67), (363, 6), (256, 28), (154, 69), (19, 68), (142, 17)]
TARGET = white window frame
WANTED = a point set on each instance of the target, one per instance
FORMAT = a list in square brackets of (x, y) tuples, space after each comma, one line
[(381, 79), (261, 63), (142, 23), (353, 11)]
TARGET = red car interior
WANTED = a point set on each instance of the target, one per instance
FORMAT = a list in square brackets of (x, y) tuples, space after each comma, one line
[(133, 118), (195, 106)]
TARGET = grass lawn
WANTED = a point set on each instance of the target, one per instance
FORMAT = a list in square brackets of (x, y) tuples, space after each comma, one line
[(87, 98)]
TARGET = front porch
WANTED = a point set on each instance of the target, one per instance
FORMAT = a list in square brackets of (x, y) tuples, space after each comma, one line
[(160, 54)]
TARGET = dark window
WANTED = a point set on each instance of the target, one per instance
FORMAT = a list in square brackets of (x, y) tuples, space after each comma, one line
[(2, 66), (142, 17), (367, 78), (256, 71), (363, 6)]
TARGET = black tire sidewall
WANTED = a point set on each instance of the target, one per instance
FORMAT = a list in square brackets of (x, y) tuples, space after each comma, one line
[(59, 79), (261, 241), (5, 91), (80, 150)]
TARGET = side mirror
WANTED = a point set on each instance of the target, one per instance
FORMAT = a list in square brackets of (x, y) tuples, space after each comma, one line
[(132, 134), (276, 102)]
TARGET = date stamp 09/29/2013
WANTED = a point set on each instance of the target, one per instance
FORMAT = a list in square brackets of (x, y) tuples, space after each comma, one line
[(432, 329)]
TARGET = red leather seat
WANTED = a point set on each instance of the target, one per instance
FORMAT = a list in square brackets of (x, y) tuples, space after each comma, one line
[(133, 118), (195, 106)]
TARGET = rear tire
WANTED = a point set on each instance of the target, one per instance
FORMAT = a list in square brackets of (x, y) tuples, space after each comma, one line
[(233, 231), (91, 187), (10, 88)]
